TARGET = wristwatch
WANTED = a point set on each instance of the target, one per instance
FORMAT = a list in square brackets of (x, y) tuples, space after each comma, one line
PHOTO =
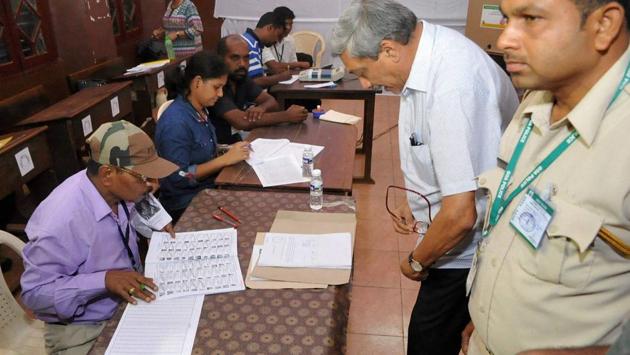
[(414, 264)]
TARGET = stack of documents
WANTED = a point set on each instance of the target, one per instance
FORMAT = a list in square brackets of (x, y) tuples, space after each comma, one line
[(286, 257), (334, 116), (261, 282), (328, 251), (143, 67), (163, 327), (278, 161)]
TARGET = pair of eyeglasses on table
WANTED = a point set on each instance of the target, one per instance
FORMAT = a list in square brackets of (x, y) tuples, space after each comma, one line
[(419, 227), (230, 215)]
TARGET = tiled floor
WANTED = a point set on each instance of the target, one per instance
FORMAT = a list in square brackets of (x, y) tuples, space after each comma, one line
[(382, 298)]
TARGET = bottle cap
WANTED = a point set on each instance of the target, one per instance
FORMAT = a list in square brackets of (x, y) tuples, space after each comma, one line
[(316, 173)]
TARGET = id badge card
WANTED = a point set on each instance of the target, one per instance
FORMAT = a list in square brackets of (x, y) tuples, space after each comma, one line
[(532, 217)]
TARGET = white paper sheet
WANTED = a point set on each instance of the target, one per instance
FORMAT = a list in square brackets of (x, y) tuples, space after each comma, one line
[(24, 161), (334, 116), (263, 149), (86, 123), (160, 79), (163, 327), (307, 250), (322, 85), (296, 150), (281, 170), (278, 161), (115, 106), (143, 67), (151, 216), (204, 262), (293, 79)]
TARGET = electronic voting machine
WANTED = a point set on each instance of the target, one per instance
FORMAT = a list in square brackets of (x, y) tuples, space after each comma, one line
[(333, 74)]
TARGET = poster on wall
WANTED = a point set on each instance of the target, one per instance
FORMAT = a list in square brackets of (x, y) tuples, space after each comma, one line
[(491, 17)]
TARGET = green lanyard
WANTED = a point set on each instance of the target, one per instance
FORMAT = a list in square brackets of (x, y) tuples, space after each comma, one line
[(500, 204), (624, 81)]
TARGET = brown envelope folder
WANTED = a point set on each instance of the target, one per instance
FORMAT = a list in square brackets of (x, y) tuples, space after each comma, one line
[(308, 223)]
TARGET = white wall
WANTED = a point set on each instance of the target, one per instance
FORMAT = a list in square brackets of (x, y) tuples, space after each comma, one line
[(321, 15)]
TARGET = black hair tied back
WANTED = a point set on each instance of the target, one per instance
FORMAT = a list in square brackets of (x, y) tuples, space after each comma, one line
[(203, 64)]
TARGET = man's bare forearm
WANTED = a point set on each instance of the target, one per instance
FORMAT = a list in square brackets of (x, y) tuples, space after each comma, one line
[(450, 226), (268, 80)]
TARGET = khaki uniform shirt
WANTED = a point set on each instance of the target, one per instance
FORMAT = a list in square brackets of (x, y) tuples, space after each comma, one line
[(574, 290)]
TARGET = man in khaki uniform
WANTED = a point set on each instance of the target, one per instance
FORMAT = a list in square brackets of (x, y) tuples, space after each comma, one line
[(552, 270)]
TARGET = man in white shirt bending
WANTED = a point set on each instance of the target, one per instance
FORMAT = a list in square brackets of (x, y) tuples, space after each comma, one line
[(454, 103)]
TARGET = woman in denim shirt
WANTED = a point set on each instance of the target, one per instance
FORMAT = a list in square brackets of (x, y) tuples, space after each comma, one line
[(185, 136)]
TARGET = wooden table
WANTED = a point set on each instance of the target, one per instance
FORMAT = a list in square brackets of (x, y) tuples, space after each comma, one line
[(146, 86), (260, 321), (27, 143), (336, 161), (70, 120), (346, 89)]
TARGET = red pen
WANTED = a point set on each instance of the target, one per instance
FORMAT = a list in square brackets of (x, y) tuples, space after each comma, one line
[(221, 219), (227, 212)]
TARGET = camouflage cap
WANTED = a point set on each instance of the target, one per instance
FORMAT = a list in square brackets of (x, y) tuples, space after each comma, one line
[(122, 144)]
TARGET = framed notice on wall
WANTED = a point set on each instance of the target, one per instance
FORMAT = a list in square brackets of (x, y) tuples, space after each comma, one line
[(485, 23), (491, 17)]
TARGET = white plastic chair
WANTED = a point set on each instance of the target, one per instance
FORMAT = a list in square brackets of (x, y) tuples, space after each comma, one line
[(163, 108), (311, 43), (18, 333)]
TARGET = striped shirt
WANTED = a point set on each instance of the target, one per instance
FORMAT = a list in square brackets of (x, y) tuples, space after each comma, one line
[(255, 54), (184, 18)]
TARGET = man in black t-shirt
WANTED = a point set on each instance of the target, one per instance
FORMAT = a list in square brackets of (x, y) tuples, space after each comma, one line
[(244, 104)]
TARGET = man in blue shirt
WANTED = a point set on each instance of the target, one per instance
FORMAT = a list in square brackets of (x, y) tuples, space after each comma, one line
[(269, 30)]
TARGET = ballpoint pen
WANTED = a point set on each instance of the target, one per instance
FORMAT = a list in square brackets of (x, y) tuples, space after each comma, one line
[(227, 212), (221, 219)]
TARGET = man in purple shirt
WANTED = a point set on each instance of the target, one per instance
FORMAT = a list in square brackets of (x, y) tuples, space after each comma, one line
[(82, 256)]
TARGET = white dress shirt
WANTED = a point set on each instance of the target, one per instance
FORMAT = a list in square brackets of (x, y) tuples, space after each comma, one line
[(282, 52), (456, 102)]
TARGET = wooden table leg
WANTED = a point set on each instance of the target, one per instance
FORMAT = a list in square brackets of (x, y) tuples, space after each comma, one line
[(368, 134)]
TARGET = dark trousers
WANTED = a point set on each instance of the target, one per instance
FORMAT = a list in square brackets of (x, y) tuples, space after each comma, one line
[(440, 314)]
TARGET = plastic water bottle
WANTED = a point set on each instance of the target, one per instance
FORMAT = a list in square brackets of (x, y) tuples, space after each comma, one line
[(168, 44), (317, 190), (307, 162)]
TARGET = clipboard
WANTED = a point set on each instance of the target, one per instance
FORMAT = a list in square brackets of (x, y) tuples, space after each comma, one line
[(309, 223)]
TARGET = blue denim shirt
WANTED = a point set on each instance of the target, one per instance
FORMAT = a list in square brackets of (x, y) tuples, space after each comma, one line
[(182, 139)]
